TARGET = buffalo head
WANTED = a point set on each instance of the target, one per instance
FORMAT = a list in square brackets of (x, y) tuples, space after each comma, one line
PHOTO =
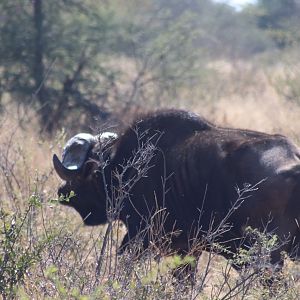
[(82, 169)]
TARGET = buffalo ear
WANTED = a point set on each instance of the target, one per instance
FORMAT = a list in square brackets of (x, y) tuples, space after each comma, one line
[(88, 168)]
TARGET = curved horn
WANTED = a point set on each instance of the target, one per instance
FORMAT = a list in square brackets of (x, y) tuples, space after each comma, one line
[(76, 150), (63, 172), (105, 141), (107, 137), (74, 155)]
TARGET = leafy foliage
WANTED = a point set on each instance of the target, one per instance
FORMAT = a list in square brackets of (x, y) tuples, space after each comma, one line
[(18, 250), (280, 19)]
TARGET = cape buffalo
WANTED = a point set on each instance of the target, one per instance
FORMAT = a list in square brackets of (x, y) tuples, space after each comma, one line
[(178, 163)]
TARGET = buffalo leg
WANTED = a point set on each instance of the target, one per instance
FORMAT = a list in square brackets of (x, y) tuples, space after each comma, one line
[(137, 239)]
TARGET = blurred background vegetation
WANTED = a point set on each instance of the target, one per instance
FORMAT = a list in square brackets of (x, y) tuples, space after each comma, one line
[(76, 63)]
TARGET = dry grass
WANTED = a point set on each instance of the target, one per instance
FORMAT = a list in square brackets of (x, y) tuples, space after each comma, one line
[(247, 96)]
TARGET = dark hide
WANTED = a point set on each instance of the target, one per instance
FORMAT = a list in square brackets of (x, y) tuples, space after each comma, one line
[(193, 170)]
